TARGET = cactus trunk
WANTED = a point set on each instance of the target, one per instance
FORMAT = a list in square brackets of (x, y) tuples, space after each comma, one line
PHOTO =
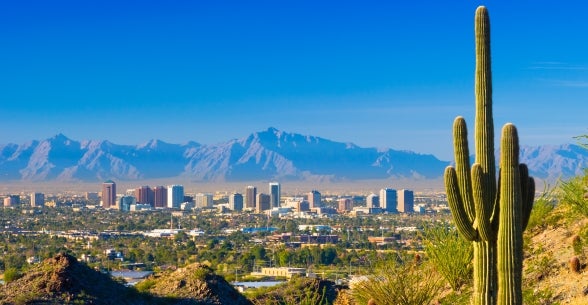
[(510, 233), (484, 273)]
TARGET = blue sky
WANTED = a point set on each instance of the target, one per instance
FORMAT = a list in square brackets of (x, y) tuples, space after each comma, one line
[(376, 73)]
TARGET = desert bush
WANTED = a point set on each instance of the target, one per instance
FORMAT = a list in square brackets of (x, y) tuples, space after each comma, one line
[(461, 297), (145, 285), (450, 254), (532, 296), (399, 282), (11, 274), (541, 212), (577, 245), (540, 268), (298, 291), (571, 193)]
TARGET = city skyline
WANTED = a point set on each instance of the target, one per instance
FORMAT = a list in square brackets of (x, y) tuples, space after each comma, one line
[(391, 75)]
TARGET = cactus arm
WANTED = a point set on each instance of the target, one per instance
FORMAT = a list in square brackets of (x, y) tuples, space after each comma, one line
[(496, 210), (462, 166), (483, 211), (460, 217), (528, 193), (510, 234)]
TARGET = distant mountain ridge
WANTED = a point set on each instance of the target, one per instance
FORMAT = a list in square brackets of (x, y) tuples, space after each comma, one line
[(266, 155)]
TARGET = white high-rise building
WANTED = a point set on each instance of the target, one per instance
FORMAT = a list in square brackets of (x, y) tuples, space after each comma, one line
[(372, 201), (405, 201), (37, 200), (236, 202), (388, 200), (175, 196), (274, 192), (203, 200)]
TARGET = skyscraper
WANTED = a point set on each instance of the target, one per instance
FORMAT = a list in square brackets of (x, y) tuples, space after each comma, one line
[(372, 201), (345, 205), (250, 196), (388, 200), (405, 201), (109, 194), (263, 202), (314, 199), (125, 203), (160, 196), (274, 191), (236, 202), (175, 196), (145, 194), (202, 200), (37, 199)]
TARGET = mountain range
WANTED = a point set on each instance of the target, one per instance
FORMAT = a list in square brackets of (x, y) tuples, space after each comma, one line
[(266, 155)]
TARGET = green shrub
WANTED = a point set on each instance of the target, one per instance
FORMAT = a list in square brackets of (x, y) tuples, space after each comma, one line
[(571, 194), (533, 296), (450, 253), (202, 273), (461, 297), (401, 282), (11, 274), (577, 245), (541, 212), (145, 285)]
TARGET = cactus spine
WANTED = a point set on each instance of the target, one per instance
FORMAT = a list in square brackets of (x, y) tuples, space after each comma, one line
[(492, 216)]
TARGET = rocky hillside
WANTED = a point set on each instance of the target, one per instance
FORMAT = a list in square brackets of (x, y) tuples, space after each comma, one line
[(560, 237), (196, 284), (63, 280)]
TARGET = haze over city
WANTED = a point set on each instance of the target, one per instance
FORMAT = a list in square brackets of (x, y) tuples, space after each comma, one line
[(378, 74)]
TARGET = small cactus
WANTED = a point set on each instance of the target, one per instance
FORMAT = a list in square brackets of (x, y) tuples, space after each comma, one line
[(575, 264), (371, 302), (417, 259)]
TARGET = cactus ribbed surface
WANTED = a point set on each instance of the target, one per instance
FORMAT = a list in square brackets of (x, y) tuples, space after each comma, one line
[(490, 213)]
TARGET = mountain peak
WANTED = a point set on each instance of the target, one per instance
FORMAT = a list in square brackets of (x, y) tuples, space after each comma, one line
[(60, 137)]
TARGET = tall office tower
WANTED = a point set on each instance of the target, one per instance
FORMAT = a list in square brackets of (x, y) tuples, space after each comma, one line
[(145, 195), (274, 191), (175, 196), (372, 201), (125, 203), (263, 202), (109, 194), (314, 199), (9, 201), (388, 200), (16, 198), (202, 200), (250, 196), (405, 201), (303, 206), (236, 202), (345, 205), (160, 196), (37, 200)]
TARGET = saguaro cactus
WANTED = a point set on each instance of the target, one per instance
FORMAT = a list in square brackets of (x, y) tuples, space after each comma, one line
[(492, 217)]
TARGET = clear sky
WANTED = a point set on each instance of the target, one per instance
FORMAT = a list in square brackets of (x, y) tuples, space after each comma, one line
[(376, 73)]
